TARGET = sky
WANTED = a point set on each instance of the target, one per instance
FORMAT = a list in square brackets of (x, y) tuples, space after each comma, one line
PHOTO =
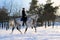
[(19, 4)]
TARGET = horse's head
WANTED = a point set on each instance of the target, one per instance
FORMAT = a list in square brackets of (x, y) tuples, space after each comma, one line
[(11, 23)]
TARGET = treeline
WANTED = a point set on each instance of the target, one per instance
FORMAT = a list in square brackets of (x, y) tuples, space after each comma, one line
[(45, 12), (4, 15)]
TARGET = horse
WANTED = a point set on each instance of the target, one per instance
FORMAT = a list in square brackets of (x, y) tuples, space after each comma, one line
[(17, 23)]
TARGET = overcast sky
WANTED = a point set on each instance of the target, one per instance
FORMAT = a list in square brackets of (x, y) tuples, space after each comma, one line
[(19, 4)]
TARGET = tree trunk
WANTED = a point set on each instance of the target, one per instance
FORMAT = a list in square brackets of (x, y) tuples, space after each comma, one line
[(53, 24), (7, 26), (2, 25), (42, 23), (49, 23), (45, 24)]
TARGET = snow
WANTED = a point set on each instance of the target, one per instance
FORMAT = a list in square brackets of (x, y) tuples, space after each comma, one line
[(42, 33)]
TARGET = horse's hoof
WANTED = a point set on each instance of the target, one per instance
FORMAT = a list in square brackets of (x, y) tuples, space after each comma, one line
[(32, 27)]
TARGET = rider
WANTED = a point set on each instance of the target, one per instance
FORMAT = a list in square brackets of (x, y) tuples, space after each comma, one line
[(24, 17)]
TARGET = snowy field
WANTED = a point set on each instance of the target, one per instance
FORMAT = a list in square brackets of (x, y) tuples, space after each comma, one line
[(42, 34)]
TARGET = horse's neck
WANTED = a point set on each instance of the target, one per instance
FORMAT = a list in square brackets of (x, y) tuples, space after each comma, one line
[(36, 17)]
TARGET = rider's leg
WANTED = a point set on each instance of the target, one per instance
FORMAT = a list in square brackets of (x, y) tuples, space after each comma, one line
[(23, 23)]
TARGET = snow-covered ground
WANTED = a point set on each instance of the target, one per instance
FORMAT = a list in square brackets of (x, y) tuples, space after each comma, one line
[(42, 34)]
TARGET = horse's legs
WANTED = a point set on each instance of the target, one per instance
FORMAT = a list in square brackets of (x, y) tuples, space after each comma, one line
[(18, 29), (13, 29), (33, 23), (26, 27), (32, 26), (35, 28)]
